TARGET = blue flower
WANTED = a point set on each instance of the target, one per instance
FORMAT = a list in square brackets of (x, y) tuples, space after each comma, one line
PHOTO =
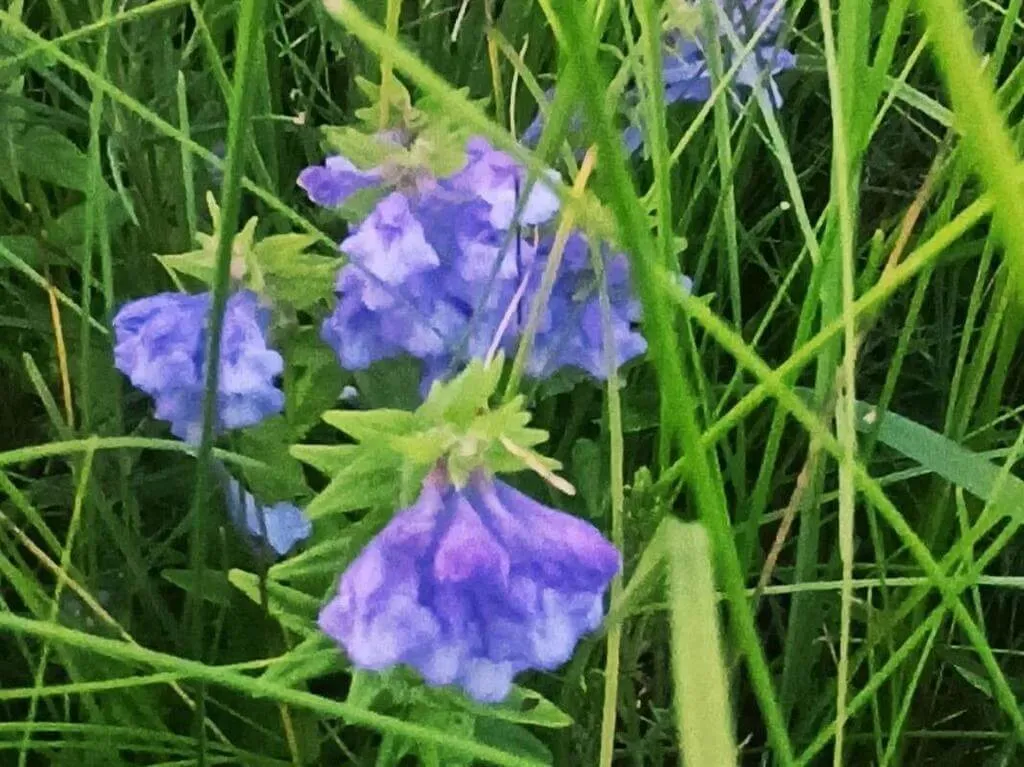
[(160, 344), (496, 178), (685, 68), (430, 277), (336, 180), (282, 525), (686, 71), (390, 244), (436, 270), (472, 586), (571, 334)]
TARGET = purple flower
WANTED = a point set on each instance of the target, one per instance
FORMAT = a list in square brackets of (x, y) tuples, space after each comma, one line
[(531, 136), (571, 334), (282, 525), (429, 276), (472, 586), (390, 244), (499, 180), (686, 69), (687, 74), (336, 180), (436, 272), (161, 347)]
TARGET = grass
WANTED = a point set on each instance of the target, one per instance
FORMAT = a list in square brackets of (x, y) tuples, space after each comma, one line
[(833, 414)]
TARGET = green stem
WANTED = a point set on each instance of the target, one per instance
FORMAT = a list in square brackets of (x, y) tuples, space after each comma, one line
[(250, 35)]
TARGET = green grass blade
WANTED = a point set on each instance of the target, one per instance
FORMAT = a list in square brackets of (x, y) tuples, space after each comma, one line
[(703, 713)]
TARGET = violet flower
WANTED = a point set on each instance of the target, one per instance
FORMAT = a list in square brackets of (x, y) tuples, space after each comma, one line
[(572, 331), (332, 183), (471, 586), (160, 344), (435, 273)]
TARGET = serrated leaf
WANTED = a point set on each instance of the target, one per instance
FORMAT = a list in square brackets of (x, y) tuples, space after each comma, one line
[(440, 149), (196, 263), (331, 556), (426, 447), (371, 479), (369, 425), (368, 88), (283, 259), (460, 400), (327, 459)]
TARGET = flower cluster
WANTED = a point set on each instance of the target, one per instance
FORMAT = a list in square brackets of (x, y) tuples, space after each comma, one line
[(439, 270), (685, 68), (686, 73), (160, 344), (471, 586)]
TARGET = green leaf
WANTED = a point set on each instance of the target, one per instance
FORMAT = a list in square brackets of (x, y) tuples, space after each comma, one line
[(196, 263), (330, 556), (49, 156), (365, 687), (327, 459), (588, 472), (946, 458), (314, 656), (371, 479), (11, 117), (523, 706), (440, 148), (216, 588), (363, 150), (390, 383), (68, 228), (449, 721), (425, 447), (370, 425), (295, 610), (460, 400), (24, 247), (316, 382), (280, 476), (291, 274), (512, 738)]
